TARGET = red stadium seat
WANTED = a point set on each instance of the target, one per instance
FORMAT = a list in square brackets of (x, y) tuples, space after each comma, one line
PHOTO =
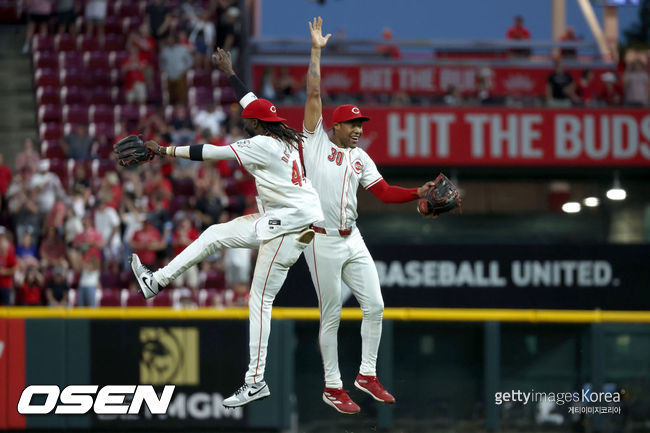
[(51, 149), (126, 9), (101, 114), (99, 168), (162, 299), (200, 96), (199, 78), (111, 297), (135, 299), (42, 43), (228, 95), (87, 43), (113, 25), (65, 42), (210, 297), (47, 95), (104, 150), (50, 131), (114, 42), (73, 95), (49, 113), (178, 203), (73, 77), (75, 114), (96, 60), (71, 60), (59, 167), (102, 95), (127, 112), (116, 57), (131, 24), (105, 129), (46, 59), (215, 280), (46, 77)]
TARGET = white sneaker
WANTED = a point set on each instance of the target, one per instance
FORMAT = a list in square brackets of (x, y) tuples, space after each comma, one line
[(148, 284), (247, 393)]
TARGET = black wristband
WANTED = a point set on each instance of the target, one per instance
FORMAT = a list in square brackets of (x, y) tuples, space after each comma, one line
[(238, 86), (196, 152)]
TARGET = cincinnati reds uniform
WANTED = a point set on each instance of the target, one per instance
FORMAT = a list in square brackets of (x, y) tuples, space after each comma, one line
[(338, 250), (288, 205)]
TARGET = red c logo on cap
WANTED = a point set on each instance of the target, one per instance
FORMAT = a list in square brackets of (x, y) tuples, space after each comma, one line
[(273, 109), (355, 110)]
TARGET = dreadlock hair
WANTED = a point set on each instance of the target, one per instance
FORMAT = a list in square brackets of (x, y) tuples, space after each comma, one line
[(283, 133)]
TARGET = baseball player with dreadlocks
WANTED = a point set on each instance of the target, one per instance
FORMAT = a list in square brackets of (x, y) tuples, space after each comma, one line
[(288, 206), (338, 253)]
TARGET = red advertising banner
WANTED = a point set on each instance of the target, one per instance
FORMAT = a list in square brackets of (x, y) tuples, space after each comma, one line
[(421, 79), (500, 136)]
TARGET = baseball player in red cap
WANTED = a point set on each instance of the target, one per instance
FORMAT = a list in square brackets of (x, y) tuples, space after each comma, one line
[(288, 206), (336, 167)]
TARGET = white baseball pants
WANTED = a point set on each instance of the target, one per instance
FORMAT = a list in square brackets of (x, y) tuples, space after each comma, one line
[(332, 258), (274, 259)]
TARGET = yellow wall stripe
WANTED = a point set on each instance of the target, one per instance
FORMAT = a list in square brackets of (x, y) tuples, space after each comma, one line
[(407, 314)]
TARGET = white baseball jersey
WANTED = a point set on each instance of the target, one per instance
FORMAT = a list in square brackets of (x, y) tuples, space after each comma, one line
[(289, 201), (346, 169)]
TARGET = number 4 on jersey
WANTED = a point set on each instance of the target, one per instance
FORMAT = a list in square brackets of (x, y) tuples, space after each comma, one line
[(296, 175)]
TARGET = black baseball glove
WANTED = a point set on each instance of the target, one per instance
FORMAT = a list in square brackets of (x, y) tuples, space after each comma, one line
[(442, 197), (131, 151)]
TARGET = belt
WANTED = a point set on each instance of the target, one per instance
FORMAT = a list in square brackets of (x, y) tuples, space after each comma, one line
[(341, 232)]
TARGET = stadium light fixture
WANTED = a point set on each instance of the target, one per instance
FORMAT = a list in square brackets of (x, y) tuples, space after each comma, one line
[(591, 201), (616, 192), (571, 207)]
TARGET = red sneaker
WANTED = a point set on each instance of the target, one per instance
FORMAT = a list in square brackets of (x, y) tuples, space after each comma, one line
[(340, 400), (371, 385)]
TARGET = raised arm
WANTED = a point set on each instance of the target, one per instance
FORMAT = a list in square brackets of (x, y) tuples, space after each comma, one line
[(223, 61), (314, 105)]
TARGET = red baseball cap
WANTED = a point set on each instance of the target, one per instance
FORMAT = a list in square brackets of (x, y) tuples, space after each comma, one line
[(263, 110), (346, 112)]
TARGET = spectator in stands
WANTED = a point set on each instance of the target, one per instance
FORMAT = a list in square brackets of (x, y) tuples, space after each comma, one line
[(210, 118), (95, 15), (86, 245), (52, 250), (184, 235), (519, 33), (485, 85), (211, 204), (5, 180), (146, 242), (38, 15), (569, 36), (48, 187), (76, 145), (7, 267), (635, 85), (586, 88), (452, 96), (57, 289), (72, 227), (133, 71), (202, 36), (27, 161), (23, 208), (237, 262), (159, 17), (89, 282), (108, 224), (560, 87), (388, 48), (610, 92), (181, 125), (26, 249), (30, 291), (175, 61), (65, 17), (267, 84), (229, 30), (132, 214), (146, 46), (286, 85)]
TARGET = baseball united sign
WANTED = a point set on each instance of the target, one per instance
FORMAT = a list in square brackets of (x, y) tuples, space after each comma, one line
[(501, 137)]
